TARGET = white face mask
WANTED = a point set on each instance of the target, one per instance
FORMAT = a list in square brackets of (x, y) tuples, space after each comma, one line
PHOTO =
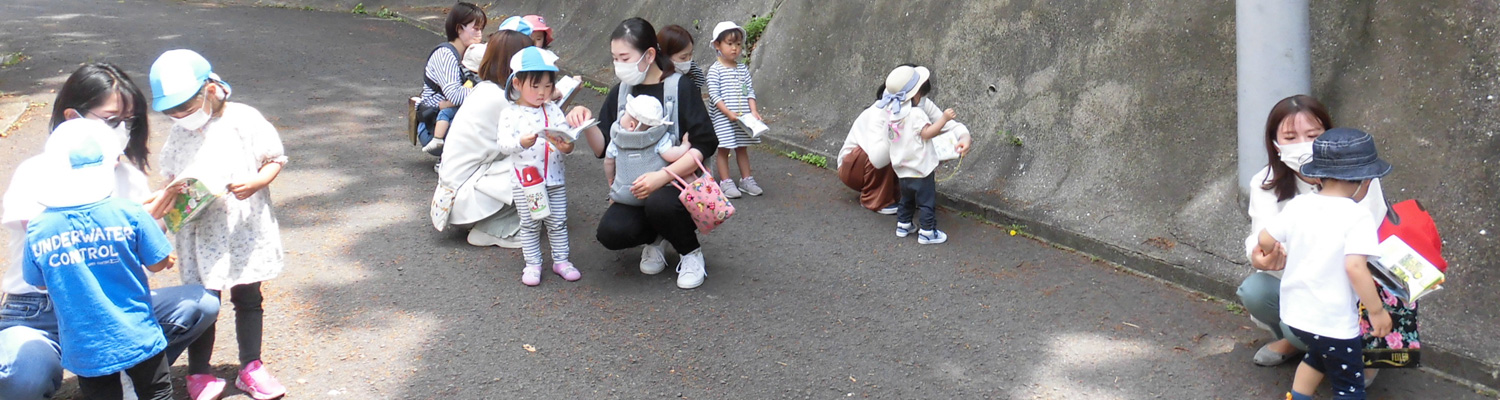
[(683, 67), (123, 133), (1296, 154), (196, 120), (630, 73)]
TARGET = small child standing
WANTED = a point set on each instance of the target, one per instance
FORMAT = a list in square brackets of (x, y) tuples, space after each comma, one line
[(530, 86), (912, 153), (1328, 237), (235, 244), (643, 121), (91, 251), (732, 94)]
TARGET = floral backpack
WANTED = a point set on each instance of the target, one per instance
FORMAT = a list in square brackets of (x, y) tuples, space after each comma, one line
[(1401, 348)]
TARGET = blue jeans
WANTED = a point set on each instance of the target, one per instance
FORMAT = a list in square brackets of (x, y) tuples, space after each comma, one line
[(31, 360), (425, 132), (919, 200)]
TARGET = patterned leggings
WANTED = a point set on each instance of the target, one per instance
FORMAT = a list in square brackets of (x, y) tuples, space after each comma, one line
[(557, 226)]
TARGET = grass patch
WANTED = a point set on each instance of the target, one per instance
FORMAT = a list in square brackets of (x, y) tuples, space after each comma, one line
[(1234, 308), (754, 28), (1010, 137), (386, 13), (603, 90), (359, 9), (809, 158), (11, 59)]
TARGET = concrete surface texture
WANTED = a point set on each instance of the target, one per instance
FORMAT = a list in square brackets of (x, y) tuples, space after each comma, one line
[(1125, 115), (1125, 112)]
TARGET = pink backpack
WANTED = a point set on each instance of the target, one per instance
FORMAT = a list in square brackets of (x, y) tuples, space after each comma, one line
[(703, 199)]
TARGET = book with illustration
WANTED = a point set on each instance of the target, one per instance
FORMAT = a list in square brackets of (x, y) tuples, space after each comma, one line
[(1404, 272), (197, 195), (567, 134), (754, 125)]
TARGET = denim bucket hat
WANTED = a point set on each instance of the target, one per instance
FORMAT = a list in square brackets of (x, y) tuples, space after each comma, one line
[(1345, 154)]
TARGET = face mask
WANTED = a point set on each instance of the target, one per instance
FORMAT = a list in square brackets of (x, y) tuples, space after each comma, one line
[(1296, 154), (630, 73), (196, 120), (123, 133), (684, 66)]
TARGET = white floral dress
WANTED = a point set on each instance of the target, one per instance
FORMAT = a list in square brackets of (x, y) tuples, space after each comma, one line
[(235, 242)]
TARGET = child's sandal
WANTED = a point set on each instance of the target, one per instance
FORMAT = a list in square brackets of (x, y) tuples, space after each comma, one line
[(566, 271), (531, 275)]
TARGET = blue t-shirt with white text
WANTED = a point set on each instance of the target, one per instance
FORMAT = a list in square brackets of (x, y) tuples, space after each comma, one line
[(92, 259)]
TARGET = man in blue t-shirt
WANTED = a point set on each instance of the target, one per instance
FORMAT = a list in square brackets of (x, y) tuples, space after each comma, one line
[(90, 252)]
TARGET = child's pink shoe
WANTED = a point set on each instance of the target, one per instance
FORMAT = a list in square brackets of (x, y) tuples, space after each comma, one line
[(255, 381), (204, 387), (566, 270), (531, 275)]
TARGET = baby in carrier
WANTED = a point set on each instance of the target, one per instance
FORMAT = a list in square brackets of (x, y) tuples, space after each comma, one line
[(640, 141)]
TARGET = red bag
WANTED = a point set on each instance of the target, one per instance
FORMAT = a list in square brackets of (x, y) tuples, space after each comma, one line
[(1410, 221)]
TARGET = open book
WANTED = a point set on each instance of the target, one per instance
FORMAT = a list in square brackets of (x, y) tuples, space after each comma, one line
[(1404, 272), (565, 87), (569, 134), (196, 197), (754, 125)]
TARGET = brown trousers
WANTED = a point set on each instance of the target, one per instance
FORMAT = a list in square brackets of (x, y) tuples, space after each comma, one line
[(877, 187)]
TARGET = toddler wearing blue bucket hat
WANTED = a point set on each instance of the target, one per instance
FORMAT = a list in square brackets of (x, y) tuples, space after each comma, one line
[(235, 243), (1328, 238)]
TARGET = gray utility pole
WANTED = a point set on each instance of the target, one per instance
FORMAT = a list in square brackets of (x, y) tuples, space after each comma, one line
[(1273, 61)]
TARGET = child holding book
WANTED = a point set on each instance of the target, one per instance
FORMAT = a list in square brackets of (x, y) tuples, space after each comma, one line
[(522, 137), (91, 251), (913, 155), (731, 91), (1328, 238), (235, 243)]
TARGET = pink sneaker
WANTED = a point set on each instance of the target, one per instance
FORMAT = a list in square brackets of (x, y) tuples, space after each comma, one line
[(204, 387), (565, 269), (531, 275), (255, 381)]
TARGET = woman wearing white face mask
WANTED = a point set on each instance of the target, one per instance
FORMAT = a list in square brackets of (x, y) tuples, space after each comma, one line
[(645, 71), (1290, 130)]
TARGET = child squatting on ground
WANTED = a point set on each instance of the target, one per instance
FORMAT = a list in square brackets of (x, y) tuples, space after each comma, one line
[(90, 251), (644, 123), (912, 153), (537, 161), (235, 243), (1323, 232), (732, 93)]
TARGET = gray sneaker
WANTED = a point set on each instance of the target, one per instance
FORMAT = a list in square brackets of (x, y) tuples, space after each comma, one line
[(730, 190), (750, 187)]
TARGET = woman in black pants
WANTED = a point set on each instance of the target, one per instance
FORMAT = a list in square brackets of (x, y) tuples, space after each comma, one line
[(642, 67)]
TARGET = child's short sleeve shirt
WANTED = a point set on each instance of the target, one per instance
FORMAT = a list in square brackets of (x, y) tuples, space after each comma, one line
[(1318, 232), (92, 260)]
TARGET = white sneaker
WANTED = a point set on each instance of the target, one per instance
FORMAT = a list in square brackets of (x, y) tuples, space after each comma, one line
[(690, 271), (653, 258), (481, 239), (434, 145), (903, 229), (730, 190), (931, 237), (750, 187)]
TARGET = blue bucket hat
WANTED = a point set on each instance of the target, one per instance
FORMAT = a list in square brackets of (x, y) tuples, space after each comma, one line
[(516, 23), (1345, 154), (177, 76)]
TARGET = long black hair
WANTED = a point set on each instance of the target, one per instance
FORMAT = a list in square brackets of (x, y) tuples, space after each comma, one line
[(641, 36), (89, 87)]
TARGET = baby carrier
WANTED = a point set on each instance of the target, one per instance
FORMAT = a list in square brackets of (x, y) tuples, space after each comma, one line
[(637, 150)]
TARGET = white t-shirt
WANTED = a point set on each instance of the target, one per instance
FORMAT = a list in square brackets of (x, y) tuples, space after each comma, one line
[(1318, 231), (911, 155), (869, 133), (1264, 207), (20, 205)]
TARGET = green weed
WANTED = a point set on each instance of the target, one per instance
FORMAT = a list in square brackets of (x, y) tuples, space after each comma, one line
[(1234, 308), (754, 28), (811, 159), (386, 13), (601, 89), (1010, 137), (8, 60), (359, 9)]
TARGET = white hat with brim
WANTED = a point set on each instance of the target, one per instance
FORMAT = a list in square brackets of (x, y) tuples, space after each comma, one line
[(647, 110), (727, 26), (906, 78), (79, 160)]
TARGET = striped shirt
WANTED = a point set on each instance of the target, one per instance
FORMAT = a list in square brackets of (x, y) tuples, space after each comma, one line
[(443, 68), (735, 88)]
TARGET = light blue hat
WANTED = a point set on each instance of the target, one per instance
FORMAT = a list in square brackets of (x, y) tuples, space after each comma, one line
[(516, 23), (177, 76), (533, 59)]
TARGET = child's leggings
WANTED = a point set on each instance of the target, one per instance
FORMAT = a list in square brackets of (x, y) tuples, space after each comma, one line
[(1340, 360), (557, 226), (150, 378), (248, 316), (919, 200)]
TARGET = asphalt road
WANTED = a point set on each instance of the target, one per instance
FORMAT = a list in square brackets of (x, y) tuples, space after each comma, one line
[(808, 296)]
